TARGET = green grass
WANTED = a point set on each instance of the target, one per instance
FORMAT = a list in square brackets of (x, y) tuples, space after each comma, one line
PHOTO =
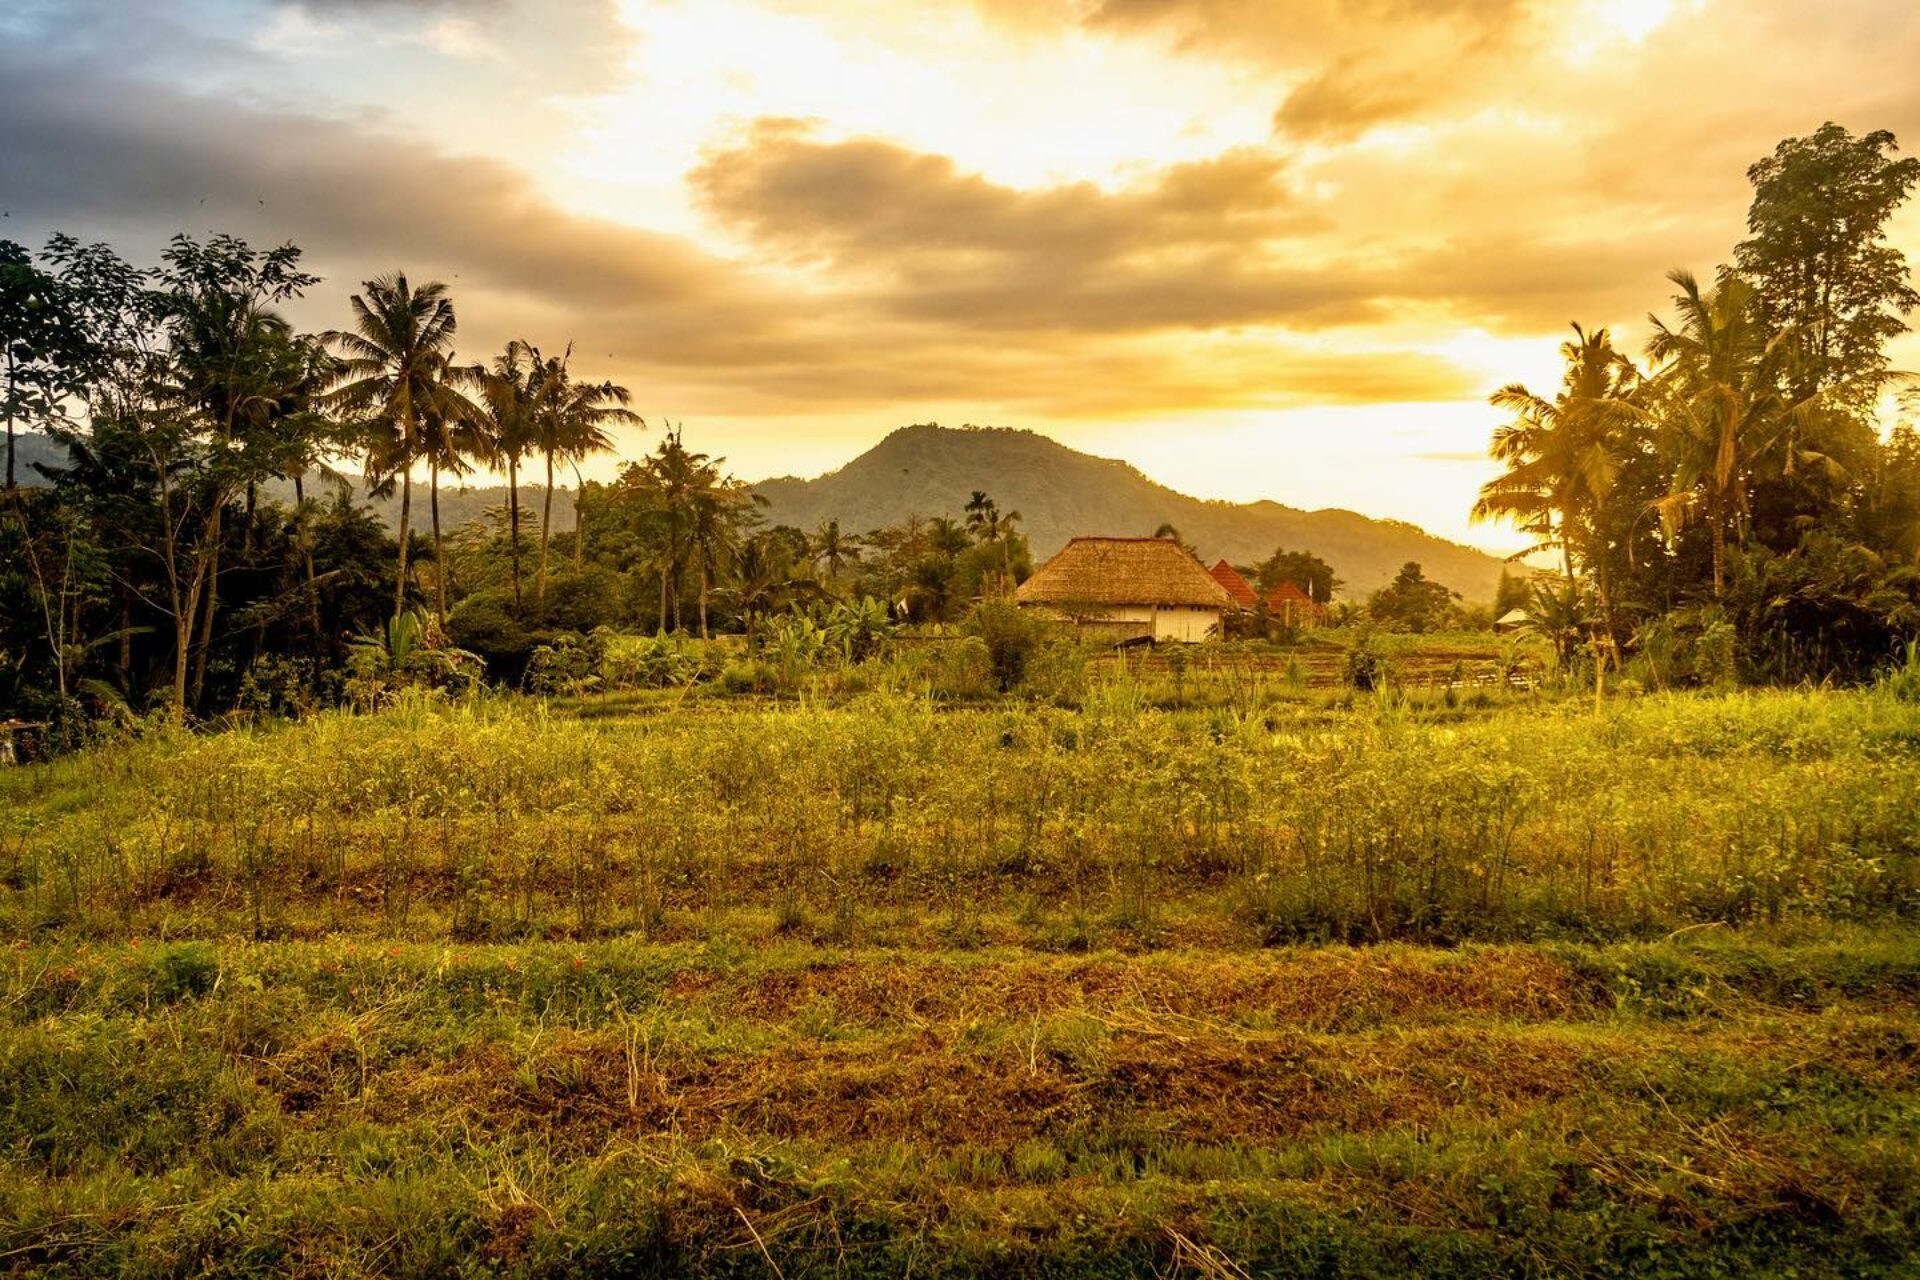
[(1706, 1105), (883, 984)]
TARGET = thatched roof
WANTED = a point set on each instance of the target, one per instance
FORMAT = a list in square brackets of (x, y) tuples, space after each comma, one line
[(1123, 571), (1237, 586)]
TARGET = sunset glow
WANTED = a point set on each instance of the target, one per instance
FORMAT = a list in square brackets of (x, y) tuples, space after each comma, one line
[(1258, 250)]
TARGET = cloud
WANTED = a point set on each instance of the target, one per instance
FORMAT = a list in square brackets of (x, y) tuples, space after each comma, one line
[(1194, 245), (1348, 98)]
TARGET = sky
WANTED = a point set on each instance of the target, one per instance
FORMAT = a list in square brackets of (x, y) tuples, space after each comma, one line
[(1259, 249)]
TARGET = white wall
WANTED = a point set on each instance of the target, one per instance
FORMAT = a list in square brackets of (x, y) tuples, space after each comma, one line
[(1173, 622), (1186, 624)]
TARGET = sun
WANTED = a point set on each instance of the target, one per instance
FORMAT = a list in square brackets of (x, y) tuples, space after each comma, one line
[(1634, 19)]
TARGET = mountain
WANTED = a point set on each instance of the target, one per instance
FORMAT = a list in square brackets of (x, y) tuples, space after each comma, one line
[(1060, 492)]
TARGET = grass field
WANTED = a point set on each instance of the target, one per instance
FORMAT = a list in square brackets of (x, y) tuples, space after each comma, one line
[(1269, 985)]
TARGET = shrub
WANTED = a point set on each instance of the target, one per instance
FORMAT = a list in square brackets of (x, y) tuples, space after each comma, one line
[(580, 601), (1903, 680), (1366, 667), (1713, 654), (1011, 636), (484, 623)]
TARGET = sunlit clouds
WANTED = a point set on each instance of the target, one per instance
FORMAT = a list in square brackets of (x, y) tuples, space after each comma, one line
[(1258, 249)]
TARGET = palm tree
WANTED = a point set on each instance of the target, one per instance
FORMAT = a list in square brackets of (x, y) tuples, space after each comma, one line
[(990, 526), (456, 434), (1722, 409), (570, 422), (834, 549), (1563, 455), (392, 374), (982, 512), (945, 535), (719, 510), (507, 393)]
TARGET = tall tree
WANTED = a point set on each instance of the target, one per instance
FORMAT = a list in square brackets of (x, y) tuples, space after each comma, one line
[(393, 368), (1562, 456), (456, 434), (570, 421), (39, 344), (833, 549), (1303, 569), (1725, 417), (1822, 270), (239, 366), (507, 391)]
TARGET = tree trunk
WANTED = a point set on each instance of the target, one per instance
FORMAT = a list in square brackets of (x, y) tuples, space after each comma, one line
[(406, 510), (306, 552), (546, 528), (10, 484), (213, 603), (513, 524), (1719, 556), (439, 550), (579, 521), (663, 598), (124, 655), (705, 582)]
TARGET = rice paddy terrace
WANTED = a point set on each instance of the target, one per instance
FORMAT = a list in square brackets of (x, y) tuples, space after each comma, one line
[(875, 989)]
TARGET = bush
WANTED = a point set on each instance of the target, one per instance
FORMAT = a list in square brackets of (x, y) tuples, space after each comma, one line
[(580, 601), (1903, 680), (1366, 668), (1011, 636), (484, 623), (1713, 654), (569, 663)]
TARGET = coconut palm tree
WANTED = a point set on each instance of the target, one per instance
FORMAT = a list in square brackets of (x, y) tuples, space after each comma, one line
[(719, 514), (1563, 455), (834, 549), (507, 394), (1723, 413), (570, 423), (455, 435), (392, 377)]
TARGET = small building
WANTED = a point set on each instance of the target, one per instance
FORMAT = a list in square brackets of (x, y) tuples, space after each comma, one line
[(1512, 620), (1242, 592), (1129, 588), (1293, 607)]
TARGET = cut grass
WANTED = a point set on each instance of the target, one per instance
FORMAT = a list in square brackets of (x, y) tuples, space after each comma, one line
[(1708, 1104), (880, 988)]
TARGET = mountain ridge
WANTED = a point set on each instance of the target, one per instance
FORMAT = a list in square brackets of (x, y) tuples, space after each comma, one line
[(1062, 492)]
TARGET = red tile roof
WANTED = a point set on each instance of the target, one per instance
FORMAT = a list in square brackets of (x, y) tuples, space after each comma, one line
[(1286, 597), (1237, 587)]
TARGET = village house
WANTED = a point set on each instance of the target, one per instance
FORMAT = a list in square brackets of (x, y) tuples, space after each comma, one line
[(1293, 607), (1286, 603), (1129, 588)]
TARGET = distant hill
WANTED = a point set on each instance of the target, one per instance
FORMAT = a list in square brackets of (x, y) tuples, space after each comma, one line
[(1061, 492), (458, 506)]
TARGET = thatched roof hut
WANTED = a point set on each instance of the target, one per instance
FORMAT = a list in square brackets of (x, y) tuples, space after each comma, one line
[(1146, 587)]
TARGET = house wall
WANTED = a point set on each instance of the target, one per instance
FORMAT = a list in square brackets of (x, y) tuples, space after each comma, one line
[(1185, 623), (1171, 622)]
